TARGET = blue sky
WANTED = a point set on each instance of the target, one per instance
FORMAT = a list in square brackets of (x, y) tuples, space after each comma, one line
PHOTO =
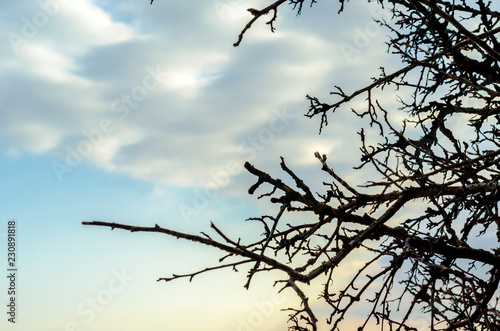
[(122, 111)]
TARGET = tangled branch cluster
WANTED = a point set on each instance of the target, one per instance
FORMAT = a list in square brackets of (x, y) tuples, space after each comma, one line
[(431, 263)]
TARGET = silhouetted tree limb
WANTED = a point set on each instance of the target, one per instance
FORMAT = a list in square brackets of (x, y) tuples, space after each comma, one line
[(258, 14), (233, 247)]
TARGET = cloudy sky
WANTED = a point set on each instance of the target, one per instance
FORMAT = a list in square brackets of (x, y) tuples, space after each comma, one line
[(122, 111)]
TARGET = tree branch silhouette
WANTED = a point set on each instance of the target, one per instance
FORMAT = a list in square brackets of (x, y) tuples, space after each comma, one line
[(440, 258)]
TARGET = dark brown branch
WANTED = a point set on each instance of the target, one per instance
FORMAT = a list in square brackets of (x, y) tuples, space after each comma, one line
[(256, 15), (193, 274), (239, 250)]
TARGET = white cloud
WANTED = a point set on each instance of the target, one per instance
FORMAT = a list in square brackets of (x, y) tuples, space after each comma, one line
[(89, 24), (46, 63), (32, 137)]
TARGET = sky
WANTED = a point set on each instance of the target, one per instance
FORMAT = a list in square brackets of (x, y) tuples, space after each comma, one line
[(145, 114)]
